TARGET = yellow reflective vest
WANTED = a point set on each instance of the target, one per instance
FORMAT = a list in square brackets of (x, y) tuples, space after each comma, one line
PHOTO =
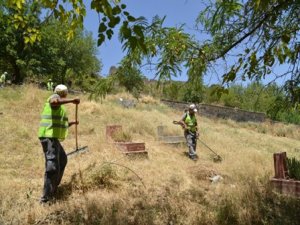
[(50, 86), (54, 122), (191, 122), (2, 78)]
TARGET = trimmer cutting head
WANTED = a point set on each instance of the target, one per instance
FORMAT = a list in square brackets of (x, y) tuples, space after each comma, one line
[(217, 158)]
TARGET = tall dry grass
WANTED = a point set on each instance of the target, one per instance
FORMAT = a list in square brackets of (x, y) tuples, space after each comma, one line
[(103, 186)]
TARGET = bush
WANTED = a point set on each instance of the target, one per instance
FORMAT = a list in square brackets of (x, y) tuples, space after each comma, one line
[(294, 168), (290, 116)]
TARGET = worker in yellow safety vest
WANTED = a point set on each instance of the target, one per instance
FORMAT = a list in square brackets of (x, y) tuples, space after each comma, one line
[(53, 128), (189, 124), (50, 85), (3, 79)]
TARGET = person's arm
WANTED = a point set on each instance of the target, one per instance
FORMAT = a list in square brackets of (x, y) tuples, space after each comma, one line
[(60, 101), (181, 121), (72, 123), (57, 101)]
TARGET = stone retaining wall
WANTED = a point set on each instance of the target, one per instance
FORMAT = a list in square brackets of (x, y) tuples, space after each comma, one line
[(220, 111)]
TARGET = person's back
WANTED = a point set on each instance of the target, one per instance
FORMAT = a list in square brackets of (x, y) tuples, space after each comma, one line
[(50, 85)]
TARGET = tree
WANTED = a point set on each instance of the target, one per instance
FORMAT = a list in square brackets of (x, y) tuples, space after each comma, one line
[(129, 76), (256, 35), (15, 54), (266, 33), (213, 94), (46, 52), (65, 61), (112, 13), (172, 90)]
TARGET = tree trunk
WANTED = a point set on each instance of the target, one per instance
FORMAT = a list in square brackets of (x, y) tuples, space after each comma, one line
[(17, 77)]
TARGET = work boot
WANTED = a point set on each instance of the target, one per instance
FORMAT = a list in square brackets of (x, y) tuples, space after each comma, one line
[(193, 157), (44, 200)]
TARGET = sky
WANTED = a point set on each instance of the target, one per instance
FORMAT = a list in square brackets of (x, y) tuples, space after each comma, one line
[(177, 12)]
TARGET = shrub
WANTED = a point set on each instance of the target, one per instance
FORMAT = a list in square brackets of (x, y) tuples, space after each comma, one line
[(293, 168)]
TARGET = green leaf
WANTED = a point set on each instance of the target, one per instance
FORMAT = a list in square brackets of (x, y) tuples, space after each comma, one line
[(231, 75), (102, 28), (26, 40), (285, 38), (93, 5), (32, 38), (109, 33), (111, 23), (123, 6), (126, 32), (56, 13), (117, 20), (101, 39), (132, 42), (131, 18), (116, 10), (61, 8), (138, 30), (19, 4)]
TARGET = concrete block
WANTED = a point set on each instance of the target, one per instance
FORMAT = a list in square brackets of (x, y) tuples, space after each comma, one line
[(289, 187)]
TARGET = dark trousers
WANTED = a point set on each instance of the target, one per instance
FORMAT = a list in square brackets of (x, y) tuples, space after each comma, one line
[(55, 163), (191, 141)]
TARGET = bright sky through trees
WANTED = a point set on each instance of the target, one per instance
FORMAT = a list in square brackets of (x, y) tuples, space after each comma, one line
[(177, 13)]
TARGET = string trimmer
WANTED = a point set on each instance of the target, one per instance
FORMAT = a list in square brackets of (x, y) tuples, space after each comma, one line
[(217, 157)]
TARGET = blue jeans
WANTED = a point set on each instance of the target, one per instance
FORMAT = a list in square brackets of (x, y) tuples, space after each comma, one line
[(55, 163)]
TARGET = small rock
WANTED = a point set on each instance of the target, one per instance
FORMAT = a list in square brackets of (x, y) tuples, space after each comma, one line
[(216, 178)]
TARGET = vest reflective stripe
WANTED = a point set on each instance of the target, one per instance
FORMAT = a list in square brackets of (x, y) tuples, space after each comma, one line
[(190, 122), (54, 117), (53, 125), (54, 122)]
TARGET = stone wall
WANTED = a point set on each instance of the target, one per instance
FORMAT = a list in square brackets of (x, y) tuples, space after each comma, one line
[(176, 105), (220, 111)]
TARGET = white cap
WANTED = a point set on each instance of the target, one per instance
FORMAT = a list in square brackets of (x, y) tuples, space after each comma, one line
[(193, 107), (61, 89), (5, 72)]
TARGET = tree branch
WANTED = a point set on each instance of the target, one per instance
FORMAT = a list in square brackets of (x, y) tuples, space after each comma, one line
[(258, 25)]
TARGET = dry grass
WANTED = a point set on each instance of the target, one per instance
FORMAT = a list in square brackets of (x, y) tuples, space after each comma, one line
[(98, 187)]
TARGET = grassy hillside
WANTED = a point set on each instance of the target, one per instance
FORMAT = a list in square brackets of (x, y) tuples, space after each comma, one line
[(104, 187)]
